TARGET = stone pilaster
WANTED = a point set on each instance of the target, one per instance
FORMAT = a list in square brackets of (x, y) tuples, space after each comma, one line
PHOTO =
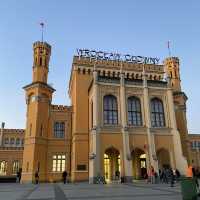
[(125, 135), (152, 161), (94, 162)]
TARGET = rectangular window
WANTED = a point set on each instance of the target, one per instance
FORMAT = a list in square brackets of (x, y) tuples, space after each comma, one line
[(27, 166), (59, 129), (81, 167), (3, 167), (15, 167), (59, 162), (30, 130)]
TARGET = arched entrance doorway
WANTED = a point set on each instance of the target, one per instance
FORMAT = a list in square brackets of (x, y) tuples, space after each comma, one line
[(163, 158), (139, 164), (112, 166)]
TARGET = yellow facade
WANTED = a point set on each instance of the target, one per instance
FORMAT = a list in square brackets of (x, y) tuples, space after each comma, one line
[(194, 143), (124, 118)]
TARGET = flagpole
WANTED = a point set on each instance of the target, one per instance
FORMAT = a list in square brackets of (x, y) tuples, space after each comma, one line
[(169, 50), (42, 33), (42, 26)]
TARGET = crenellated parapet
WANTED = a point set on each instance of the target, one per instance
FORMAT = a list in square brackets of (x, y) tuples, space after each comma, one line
[(108, 68), (172, 60), (41, 44), (173, 72), (61, 108)]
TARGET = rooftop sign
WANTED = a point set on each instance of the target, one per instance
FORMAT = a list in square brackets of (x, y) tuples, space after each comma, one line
[(100, 55)]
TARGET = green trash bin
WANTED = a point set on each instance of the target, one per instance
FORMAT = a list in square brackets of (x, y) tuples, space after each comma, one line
[(188, 188)]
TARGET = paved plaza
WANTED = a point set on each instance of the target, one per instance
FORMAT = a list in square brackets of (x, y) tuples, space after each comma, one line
[(59, 191)]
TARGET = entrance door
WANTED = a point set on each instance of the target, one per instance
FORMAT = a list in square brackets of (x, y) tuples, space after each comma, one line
[(143, 165), (112, 167), (139, 164), (107, 167)]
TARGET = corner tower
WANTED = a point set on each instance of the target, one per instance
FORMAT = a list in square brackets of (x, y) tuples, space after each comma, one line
[(38, 100), (173, 72)]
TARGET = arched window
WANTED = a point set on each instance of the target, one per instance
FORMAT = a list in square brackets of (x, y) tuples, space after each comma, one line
[(110, 109), (17, 141), (40, 61), (3, 167), (134, 111), (157, 113), (6, 141), (12, 141)]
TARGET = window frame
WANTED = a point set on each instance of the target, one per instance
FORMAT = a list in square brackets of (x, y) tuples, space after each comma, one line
[(58, 162), (110, 110), (134, 111), (12, 141), (17, 142), (59, 129), (4, 171), (6, 141), (157, 113), (15, 166)]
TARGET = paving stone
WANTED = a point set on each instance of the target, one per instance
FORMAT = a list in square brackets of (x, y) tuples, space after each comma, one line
[(78, 191)]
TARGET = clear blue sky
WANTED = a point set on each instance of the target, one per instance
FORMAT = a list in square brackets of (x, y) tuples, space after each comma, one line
[(128, 26)]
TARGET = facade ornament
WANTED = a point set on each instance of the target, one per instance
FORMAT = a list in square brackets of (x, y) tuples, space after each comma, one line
[(92, 156)]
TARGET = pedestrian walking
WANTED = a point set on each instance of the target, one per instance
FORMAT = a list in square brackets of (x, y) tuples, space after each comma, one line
[(171, 176), (19, 174), (165, 175), (156, 177), (152, 175), (36, 177), (117, 175), (178, 175), (64, 175)]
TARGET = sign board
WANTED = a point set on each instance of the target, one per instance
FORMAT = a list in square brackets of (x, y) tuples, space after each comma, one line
[(100, 55)]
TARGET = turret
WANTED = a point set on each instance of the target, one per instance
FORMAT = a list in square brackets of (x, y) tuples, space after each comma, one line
[(172, 70), (41, 57)]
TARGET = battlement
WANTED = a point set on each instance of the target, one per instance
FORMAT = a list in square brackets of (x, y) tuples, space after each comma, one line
[(169, 60), (38, 44), (60, 108), (18, 131)]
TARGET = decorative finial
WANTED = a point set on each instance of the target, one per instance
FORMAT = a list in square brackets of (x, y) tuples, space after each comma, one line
[(42, 29)]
